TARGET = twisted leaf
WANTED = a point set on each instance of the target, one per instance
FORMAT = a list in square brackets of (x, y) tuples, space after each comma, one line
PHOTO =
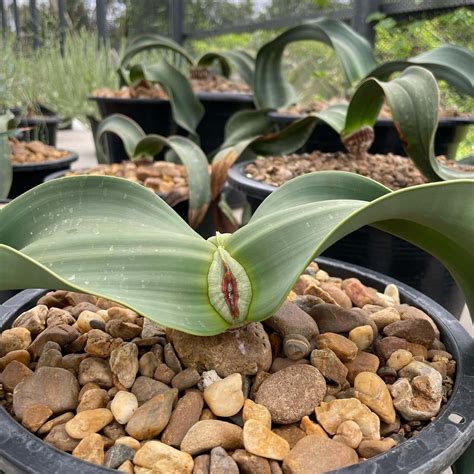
[(146, 42), (245, 139), (413, 99), (126, 129), (186, 109), (159, 267), (355, 55), (449, 63), (140, 146), (241, 61)]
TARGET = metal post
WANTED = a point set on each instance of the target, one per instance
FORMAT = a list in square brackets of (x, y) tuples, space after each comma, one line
[(361, 10), (101, 11), (176, 20), (16, 18), (62, 26), (34, 24), (4, 19)]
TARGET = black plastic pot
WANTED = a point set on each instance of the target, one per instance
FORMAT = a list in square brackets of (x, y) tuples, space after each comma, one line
[(206, 228), (154, 116), (450, 133), (432, 451), (28, 175), (42, 127), (219, 107), (376, 250)]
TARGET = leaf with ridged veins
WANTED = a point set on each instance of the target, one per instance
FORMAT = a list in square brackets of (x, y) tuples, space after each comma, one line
[(186, 109), (450, 63), (271, 88), (115, 239)]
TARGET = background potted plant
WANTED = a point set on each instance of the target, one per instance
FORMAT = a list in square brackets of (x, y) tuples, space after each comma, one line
[(177, 93), (259, 260), (416, 116), (450, 63), (197, 184)]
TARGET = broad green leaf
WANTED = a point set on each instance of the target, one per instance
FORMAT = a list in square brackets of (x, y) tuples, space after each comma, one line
[(355, 55), (110, 236), (146, 42), (6, 172), (186, 109), (126, 129), (241, 61), (449, 63), (413, 99), (63, 234), (309, 213), (334, 116)]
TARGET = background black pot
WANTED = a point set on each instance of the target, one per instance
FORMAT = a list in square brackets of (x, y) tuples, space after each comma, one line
[(29, 175), (376, 250), (42, 127), (206, 228), (154, 116), (433, 450), (450, 133)]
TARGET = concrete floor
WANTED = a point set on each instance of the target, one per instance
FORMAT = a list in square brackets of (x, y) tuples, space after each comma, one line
[(80, 140)]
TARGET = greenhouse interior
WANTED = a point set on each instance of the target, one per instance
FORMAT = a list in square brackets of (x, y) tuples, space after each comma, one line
[(233, 237)]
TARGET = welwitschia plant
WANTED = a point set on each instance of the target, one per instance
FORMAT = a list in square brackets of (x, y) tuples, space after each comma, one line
[(158, 266), (413, 99), (354, 52), (453, 64), (142, 147), (246, 131)]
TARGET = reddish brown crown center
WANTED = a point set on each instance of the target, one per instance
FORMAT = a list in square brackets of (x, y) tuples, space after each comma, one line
[(230, 292)]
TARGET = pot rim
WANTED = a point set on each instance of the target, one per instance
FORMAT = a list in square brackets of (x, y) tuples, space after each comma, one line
[(44, 165), (383, 122), (446, 439), (252, 187), (205, 96)]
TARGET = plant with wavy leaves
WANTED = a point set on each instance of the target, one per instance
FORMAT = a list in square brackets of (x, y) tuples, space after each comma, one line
[(450, 63), (413, 99), (246, 132), (172, 73), (158, 266)]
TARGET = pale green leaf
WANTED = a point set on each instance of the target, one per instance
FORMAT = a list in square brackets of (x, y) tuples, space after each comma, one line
[(125, 128), (413, 98), (299, 223), (450, 63), (149, 41), (139, 146), (115, 239), (111, 237)]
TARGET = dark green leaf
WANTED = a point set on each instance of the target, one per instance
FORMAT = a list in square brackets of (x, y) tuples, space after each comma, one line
[(272, 90), (186, 109)]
